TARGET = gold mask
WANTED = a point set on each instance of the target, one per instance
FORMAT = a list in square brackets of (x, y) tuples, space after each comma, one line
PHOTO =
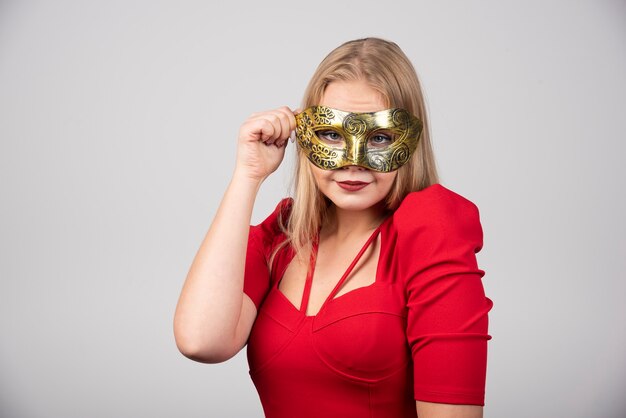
[(381, 141)]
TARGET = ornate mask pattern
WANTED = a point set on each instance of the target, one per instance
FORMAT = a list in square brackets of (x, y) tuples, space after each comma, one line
[(356, 135)]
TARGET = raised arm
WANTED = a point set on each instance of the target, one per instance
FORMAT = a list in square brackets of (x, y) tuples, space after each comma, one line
[(213, 317)]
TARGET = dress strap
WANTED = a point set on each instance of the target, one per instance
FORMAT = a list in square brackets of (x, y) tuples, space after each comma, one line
[(352, 265), (309, 277)]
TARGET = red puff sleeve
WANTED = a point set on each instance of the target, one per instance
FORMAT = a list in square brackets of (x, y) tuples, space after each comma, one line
[(439, 233), (262, 240)]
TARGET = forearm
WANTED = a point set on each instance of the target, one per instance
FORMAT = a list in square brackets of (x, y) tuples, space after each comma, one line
[(211, 300), (439, 410)]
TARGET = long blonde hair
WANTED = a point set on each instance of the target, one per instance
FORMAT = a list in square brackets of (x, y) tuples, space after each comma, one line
[(384, 66)]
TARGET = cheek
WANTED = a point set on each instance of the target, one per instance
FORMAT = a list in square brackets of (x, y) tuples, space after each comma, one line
[(387, 179), (320, 177)]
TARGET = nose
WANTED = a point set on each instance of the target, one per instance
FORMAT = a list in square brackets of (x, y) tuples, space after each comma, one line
[(353, 151), (353, 167)]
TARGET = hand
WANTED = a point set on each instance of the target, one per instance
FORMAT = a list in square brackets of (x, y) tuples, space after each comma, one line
[(262, 141)]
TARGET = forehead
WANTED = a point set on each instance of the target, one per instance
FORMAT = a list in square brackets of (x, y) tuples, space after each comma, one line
[(353, 96)]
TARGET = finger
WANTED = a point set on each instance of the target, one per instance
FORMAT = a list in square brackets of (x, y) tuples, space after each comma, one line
[(279, 111), (282, 143), (278, 122), (267, 130), (272, 119), (290, 117), (282, 120), (285, 117), (257, 130)]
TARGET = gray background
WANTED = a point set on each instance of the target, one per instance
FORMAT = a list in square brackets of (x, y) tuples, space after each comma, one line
[(118, 123)]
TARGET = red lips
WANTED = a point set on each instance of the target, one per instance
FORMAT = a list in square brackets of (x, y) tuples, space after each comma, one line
[(352, 185)]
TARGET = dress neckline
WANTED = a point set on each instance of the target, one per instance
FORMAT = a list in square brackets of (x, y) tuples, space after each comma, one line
[(311, 271)]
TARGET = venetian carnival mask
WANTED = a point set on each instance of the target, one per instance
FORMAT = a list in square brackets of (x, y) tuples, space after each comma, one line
[(381, 141)]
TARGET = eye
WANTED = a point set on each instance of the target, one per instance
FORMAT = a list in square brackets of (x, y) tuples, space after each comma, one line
[(380, 139), (330, 137)]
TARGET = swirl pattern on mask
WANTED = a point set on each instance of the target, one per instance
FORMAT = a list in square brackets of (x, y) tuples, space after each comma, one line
[(384, 161), (400, 155), (378, 162), (400, 117), (353, 124)]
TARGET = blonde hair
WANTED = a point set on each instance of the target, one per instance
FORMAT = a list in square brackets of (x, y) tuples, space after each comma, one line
[(382, 65)]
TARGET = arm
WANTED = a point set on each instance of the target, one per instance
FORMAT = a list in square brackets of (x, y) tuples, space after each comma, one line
[(440, 410), (214, 317), (447, 323)]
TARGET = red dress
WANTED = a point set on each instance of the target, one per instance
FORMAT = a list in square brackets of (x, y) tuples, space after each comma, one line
[(418, 332)]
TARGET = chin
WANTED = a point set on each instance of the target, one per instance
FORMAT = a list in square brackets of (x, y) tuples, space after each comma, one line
[(357, 201)]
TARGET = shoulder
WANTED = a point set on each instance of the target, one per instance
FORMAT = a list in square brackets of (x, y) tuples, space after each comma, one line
[(437, 212), (434, 204), (273, 225), (282, 209)]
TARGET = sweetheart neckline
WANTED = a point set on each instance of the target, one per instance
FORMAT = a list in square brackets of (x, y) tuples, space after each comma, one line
[(336, 297)]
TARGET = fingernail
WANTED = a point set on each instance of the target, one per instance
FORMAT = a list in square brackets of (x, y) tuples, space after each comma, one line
[(292, 136)]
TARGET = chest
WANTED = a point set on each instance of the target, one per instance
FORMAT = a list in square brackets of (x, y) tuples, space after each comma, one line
[(354, 325), (359, 333), (332, 263)]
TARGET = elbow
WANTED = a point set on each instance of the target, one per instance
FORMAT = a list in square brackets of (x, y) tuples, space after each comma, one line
[(216, 350), (204, 354)]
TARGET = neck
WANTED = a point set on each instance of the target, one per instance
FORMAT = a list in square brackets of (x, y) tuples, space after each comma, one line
[(344, 223)]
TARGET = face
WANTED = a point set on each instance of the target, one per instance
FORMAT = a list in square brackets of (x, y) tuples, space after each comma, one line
[(353, 187)]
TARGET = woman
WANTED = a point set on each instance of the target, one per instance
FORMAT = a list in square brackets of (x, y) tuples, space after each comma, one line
[(359, 297)]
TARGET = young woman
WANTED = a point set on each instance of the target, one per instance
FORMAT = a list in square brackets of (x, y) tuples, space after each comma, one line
[(360, 296)]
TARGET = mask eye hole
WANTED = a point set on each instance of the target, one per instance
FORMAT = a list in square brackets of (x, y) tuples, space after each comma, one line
[(380, 139), (331, 137)]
